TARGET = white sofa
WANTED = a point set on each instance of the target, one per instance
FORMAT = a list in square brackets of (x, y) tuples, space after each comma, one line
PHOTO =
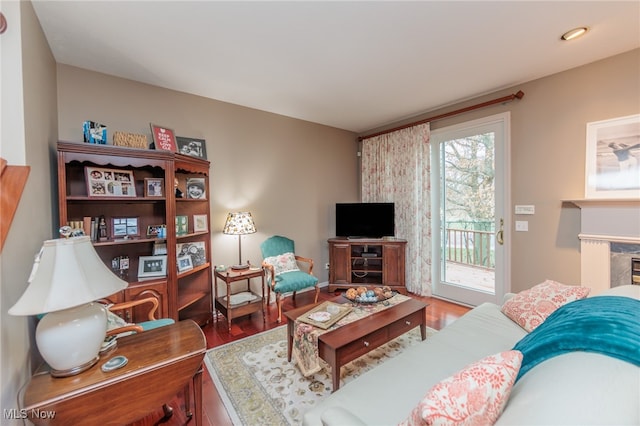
[(577, 388)]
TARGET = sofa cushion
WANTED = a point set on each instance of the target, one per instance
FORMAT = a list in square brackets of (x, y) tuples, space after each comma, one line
[(294, 281), (531, 307), (341, 416), (577, 388), (475, 395)]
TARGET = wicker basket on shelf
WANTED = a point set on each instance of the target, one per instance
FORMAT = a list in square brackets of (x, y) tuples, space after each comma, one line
[(131, 140)]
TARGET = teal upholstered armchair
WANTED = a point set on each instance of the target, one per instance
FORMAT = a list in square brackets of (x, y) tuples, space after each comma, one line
[(283, 273)]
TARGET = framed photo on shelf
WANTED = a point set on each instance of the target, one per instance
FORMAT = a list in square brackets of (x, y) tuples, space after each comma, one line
[(159, 248), (163, 138), (125, 227), (109, 182), (613, 158), (200, 223), (196, 188), (184, 263), (195, 250), (192, 146), (156, 231), (120, 266), (182, 225), (153, 187), (152, 266)]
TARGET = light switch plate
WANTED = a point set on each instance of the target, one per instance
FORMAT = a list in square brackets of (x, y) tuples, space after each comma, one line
[(522, 225)]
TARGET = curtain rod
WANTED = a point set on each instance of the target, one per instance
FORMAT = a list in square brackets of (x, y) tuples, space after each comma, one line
[(504, 99)]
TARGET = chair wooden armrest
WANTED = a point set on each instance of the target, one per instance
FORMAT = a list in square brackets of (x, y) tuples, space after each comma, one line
[(131, 327), (126, 305), (168, 411), (306, 260)]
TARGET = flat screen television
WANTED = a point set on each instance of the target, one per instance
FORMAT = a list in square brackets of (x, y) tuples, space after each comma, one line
[(365, 220)]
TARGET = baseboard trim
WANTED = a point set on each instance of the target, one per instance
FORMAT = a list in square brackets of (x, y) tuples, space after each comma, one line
[(455, 302)]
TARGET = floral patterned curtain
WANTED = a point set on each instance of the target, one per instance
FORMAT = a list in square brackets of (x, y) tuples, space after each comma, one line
[(396, 168)]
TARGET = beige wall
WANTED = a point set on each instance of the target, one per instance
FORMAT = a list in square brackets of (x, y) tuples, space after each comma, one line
[(289, 173), (548, 131), (29, 127)]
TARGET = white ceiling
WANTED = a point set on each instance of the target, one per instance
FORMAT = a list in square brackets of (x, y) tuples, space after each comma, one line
[(352, 65)]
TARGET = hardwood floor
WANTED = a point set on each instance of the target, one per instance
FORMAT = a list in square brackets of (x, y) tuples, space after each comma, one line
[(439, 314)]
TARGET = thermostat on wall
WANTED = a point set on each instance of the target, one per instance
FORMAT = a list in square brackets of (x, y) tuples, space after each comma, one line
[(522, 209)]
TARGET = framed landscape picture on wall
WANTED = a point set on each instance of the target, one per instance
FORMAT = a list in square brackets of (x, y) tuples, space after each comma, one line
[(613, 158)]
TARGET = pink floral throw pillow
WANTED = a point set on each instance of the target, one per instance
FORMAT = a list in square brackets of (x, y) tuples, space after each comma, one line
[(474, 396), (283, 263), (530, 308)]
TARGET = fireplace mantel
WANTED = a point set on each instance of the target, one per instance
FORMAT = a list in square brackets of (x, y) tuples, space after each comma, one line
[(604, 221), (606, 202)]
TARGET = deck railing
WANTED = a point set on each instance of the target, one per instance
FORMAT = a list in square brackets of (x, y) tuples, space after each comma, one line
[(470, 247)]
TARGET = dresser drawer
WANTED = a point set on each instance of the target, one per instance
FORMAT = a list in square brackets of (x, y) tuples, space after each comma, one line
[(361, 346), (405, 324)]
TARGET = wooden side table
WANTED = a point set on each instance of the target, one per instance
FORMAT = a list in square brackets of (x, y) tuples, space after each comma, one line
[(223, 303), (161, 363)]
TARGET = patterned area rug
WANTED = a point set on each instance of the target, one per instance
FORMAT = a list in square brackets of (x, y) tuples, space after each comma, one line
[(259, 387)]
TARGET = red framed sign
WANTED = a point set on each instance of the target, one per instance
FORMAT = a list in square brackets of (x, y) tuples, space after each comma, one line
[(163, 138)]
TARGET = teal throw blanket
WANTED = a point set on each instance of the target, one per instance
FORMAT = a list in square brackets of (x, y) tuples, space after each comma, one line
[(608, 325)]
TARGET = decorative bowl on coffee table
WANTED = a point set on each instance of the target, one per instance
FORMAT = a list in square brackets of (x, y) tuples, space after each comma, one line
[(363, 294)]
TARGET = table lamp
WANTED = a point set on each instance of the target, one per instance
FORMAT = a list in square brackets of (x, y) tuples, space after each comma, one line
[(67, 277), (239, 223)]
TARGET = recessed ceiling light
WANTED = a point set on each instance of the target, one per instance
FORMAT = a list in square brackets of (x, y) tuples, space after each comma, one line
[(574, 33)]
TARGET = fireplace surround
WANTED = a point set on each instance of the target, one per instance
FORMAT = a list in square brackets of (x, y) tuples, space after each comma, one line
[(606, 222)]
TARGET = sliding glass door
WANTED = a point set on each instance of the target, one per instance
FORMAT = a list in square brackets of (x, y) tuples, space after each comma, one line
[(469, 204)]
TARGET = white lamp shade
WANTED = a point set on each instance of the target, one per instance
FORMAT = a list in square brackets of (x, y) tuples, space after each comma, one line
[(72, 338), (69, 273)]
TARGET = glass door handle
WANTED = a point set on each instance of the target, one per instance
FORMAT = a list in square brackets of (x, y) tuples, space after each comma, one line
[(500, 233)]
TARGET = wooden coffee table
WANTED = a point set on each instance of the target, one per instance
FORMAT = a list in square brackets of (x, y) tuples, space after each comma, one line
[(344, 344)]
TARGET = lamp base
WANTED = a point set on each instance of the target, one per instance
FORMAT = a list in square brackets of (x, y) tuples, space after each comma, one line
[(70, 340), (75, 370), (239, 267)]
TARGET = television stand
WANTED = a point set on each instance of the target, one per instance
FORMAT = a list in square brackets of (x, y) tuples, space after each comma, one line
[(369, 262)]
